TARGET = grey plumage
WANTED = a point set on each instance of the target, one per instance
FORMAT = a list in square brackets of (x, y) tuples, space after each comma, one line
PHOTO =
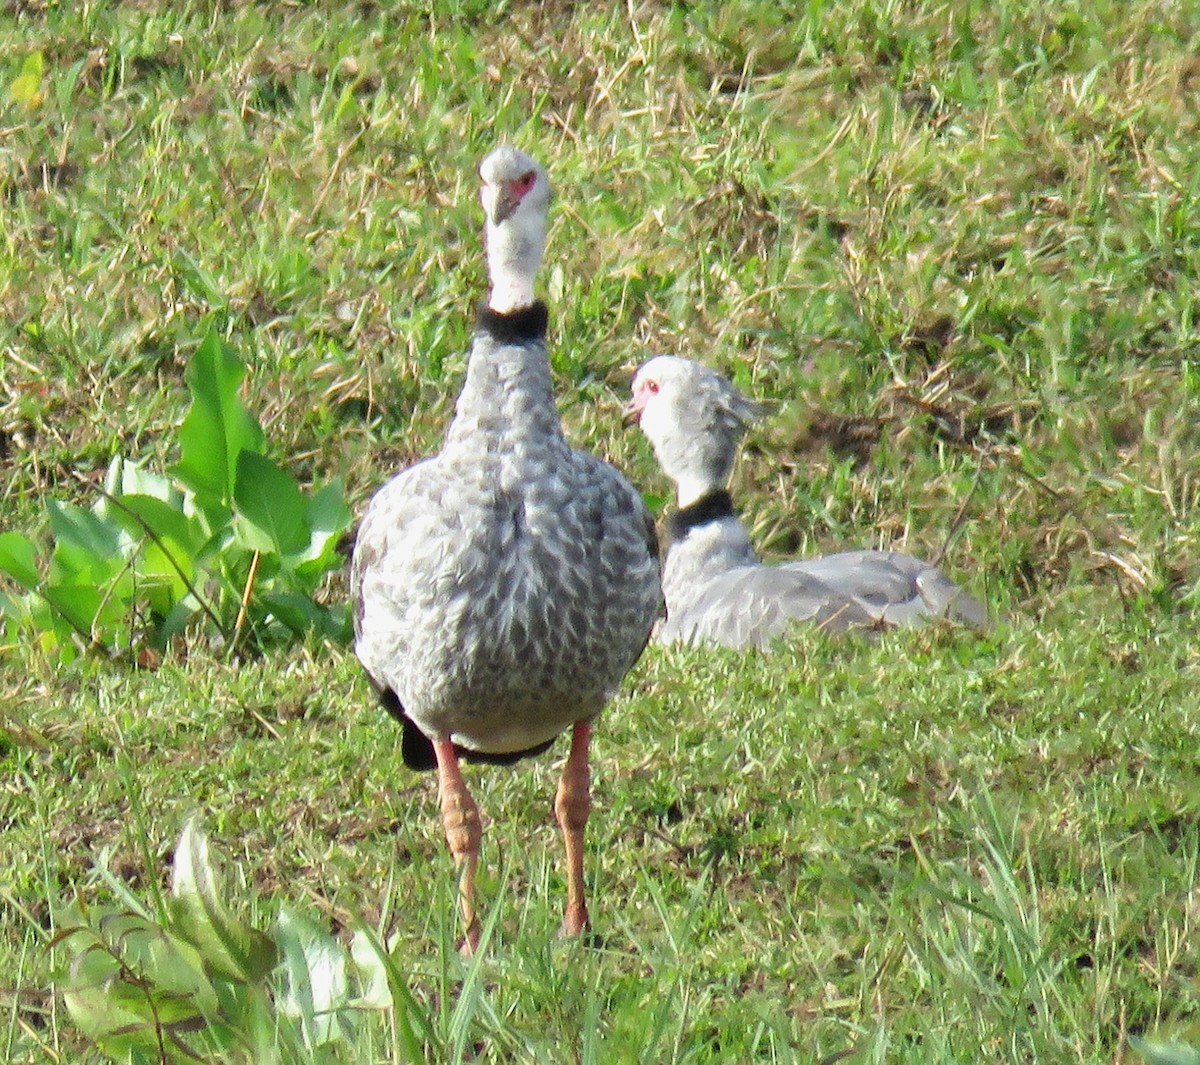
[(503, 588), (716, 588)]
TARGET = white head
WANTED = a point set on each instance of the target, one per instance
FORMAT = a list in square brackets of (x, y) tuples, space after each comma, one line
[(515, 196), (695, 419)]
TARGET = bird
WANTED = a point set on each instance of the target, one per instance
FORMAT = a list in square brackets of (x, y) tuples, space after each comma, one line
[(502, 588), (716, 588)]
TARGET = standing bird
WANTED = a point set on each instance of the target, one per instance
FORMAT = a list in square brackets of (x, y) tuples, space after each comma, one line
[(504, 587), (716, 588)]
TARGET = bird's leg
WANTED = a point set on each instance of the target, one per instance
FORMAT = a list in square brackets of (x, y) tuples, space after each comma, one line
[(460, 816), (572, 805)]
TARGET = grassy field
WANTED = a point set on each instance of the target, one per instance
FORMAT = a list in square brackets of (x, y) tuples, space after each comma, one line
[(956, 246)]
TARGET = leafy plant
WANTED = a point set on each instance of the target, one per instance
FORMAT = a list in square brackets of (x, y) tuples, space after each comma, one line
[(195, 983), (229, 535)]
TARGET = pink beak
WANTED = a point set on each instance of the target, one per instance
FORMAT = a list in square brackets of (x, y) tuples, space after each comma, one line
[(631, 413)]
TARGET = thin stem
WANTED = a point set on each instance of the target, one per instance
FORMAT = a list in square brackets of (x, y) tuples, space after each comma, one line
[(244, 606), (159, 543)]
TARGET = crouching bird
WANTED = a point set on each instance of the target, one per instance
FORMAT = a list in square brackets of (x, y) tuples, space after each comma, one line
[(717, 591), (504, 587)]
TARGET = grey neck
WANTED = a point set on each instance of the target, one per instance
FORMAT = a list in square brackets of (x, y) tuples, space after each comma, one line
[(508, 391)]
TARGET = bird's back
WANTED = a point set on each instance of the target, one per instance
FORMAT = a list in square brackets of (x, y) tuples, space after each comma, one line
[(719, 592)]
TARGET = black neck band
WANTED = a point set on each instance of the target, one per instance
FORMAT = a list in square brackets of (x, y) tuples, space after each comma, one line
[(526, 323), (712, 506)]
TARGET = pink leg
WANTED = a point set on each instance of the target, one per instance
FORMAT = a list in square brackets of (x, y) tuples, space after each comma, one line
[(460, 816), (572, 805)]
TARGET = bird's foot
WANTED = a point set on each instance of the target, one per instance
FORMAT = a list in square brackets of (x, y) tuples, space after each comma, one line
[(575, 921), (468, 946)]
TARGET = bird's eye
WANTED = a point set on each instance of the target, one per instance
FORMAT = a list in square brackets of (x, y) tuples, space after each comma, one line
[(652, 387), (525, 182)]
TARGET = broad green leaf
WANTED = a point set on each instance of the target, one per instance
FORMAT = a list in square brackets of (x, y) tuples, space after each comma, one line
[(131, 988), (18, 559), (328, 512), (72, 564), (79, 604), (172, 969), (139, 512), (89, 551), (172, 625), (177, 968), (298, 612), (97, 1005), (302, 614), (271, 511), (127, 980), (126, 477), (218, 427), (213, 518), (85, 530), (161, 571), (328, 517), (229, 946), (315, 967), (53, 635), (338, 626)]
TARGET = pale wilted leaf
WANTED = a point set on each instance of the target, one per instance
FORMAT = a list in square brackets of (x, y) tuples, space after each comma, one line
[(372, 971), (315, 966), (229, 946), (1161, 1053)]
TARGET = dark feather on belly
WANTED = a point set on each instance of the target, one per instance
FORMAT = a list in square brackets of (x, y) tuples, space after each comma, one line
[(417, 749)]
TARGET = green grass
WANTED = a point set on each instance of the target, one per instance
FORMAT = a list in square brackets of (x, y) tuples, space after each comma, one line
[(955, 245)]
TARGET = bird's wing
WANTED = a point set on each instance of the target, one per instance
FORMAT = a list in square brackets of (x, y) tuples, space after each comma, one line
[(627, 574), (897, 589), (397, 547), (752, 605)]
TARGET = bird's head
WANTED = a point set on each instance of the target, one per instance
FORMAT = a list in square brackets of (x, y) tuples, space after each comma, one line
[(513, 181), (694, 418), (515, 193)]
